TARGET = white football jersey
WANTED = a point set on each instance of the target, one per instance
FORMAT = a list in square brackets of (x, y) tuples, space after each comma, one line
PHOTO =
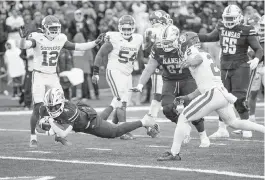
[(207, 75), (46, 52), (124, 52)]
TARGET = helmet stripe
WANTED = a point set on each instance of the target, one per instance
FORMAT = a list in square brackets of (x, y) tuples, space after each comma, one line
[(165, 32), (229, 9)]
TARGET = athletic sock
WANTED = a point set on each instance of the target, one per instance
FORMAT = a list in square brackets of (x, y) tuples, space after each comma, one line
[(181, 131), (222, 125), (199, 125), (203, 135), (33, 137), (106, 112), (154, 108)]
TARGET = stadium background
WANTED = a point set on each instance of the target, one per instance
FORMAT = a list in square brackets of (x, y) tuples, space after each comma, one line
[(85, 20)]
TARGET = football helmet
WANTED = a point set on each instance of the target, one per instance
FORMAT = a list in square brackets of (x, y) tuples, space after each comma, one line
[(187, 40), (232, 16), (126, 26), (51, 26), (169, 38), (261, 27), (54, 102), (160, 17)]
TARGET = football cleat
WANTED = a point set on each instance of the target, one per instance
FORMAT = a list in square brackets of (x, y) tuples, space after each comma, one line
[(247, 134), (63, 141), (168, 156), (127, 136), (33, 143), (153, 131), (220, 133)]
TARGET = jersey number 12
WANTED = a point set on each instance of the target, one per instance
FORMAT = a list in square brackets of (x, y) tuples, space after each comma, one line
[(51, 59)]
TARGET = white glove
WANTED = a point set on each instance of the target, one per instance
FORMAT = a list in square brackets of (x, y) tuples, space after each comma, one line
[(253, 63), (95, 79), (138, 88)]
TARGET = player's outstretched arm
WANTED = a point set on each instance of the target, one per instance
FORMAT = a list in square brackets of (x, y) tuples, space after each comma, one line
[(60, 132), (24, 43), (84, 46), (148, 71), (209, 37), (255, 45), (101, 56)]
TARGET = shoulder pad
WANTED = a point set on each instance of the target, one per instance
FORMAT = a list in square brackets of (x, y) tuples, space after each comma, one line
[(62, 37), (139, 37), (34, 35), (112, 36)]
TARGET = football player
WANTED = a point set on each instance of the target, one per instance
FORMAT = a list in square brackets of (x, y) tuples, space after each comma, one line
[(259, 77), (235, 38), (210, 95), (176, 81), (120, 51), (47, 46), (158, 19), (60, 117)]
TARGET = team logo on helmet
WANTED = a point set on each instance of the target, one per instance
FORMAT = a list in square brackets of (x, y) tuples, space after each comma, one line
[(182, 38)]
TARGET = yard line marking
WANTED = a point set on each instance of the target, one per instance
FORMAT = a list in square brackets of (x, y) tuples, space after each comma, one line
[(155, 146), (29, 177), (100, 109), (41, 152), (100, 149), (206, 171), (218, 144), (144, 136)]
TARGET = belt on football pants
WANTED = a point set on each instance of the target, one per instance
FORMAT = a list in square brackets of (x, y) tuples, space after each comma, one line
[(43, 72)]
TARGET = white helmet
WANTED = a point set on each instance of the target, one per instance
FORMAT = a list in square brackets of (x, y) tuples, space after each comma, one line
[(51, 27), (126, 26), (232, 16), (54, 102), (169, 38)]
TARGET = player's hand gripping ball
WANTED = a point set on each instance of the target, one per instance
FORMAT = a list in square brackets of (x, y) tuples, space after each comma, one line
[(44, 123)]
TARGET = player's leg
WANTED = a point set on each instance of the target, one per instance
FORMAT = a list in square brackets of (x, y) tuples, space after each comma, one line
[(168, 96), (38, 91), (157, 84), (228, 115), (198, 108), (256, 84), (116, 101), (240, 81), (104, 129), (222, 132)]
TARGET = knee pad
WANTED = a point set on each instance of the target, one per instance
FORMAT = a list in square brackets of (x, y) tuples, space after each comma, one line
[(115, 103), (171, 113), (158, 97), (241, 106)]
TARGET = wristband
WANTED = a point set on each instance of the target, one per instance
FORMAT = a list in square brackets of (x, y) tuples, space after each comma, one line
[(95, 70)]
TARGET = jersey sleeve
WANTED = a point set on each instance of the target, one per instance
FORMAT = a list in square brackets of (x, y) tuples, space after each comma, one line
[(154, 53), (32, 37)]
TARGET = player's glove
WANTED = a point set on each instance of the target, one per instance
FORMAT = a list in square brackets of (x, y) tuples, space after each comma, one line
[(100, 38), (138, 88), (180, 100), (95, 77), (253, 63), (22, 32)]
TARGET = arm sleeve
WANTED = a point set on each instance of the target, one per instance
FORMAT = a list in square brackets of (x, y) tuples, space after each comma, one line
[(255, 45), (148, 71), (79, 46), (102, 54), (209, 37)]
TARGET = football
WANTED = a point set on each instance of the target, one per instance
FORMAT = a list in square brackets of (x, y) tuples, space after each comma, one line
[(45, 125)]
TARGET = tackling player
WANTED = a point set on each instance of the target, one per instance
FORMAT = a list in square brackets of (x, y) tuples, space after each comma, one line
[(235, 38), (210, 96), (159, 19), (120, 50), (47, 46), (259, 77), (60, 117), (176, 81)]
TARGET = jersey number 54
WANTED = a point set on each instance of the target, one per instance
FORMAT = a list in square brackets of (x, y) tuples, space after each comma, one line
[(125, 57)]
